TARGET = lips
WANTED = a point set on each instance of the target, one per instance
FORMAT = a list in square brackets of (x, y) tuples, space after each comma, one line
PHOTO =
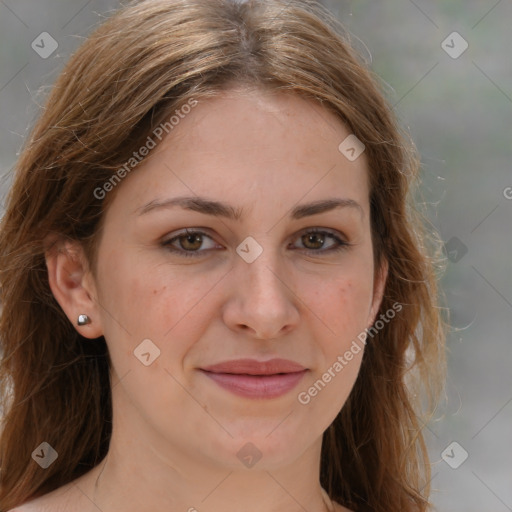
[(256, 379), (253, 367)]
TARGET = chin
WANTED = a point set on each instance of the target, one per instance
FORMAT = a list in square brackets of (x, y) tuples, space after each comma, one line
[(262, 444)]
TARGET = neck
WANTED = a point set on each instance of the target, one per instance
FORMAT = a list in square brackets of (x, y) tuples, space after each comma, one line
[(146, 473)]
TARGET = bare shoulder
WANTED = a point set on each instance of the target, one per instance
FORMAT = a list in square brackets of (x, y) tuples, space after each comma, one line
[(340, 508), (33, 505), (59, 500), (75, 496), (51, 503)]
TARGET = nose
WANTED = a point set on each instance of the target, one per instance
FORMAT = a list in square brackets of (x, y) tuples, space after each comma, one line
[(261, 300)]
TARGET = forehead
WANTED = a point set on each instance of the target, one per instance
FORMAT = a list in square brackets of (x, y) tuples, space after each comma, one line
[(259, 122), (250, 146)]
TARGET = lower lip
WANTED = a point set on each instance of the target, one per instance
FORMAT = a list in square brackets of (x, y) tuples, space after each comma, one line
[(257, 386)]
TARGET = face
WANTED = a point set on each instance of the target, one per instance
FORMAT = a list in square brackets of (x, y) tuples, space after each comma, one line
[(268, 270)]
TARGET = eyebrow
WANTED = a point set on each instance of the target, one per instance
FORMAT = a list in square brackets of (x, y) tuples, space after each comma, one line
[(219, 209)]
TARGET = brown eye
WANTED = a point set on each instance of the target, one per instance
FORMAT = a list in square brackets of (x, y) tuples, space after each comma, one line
[(189, 243), (313, 240), (192, 243)]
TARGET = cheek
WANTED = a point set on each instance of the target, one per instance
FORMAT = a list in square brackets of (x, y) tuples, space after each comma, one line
[(342, 303), (143, 300)]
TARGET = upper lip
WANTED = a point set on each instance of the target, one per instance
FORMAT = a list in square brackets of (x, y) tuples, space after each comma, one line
[(254, 367)]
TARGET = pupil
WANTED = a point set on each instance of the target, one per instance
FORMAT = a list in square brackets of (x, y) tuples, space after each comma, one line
[(311, 238), (191, 239)]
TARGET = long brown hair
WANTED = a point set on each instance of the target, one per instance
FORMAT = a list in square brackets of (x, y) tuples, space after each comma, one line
[(138, 67)]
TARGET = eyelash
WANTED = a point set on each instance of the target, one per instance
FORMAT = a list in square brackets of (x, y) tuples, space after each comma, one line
[(342, 245)]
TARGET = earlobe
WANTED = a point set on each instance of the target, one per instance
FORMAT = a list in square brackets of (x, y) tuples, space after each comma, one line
[(378, 291), (69, 281)]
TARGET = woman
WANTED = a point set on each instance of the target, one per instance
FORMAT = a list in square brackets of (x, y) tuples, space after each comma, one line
[(216, 293)]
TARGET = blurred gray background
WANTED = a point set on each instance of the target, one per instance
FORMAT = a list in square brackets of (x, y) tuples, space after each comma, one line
[(457, 104)]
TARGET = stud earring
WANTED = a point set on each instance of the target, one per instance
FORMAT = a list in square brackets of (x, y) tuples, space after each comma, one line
[(83, 320)]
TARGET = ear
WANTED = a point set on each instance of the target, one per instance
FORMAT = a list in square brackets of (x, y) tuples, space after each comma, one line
[(379, 286), (72, 284)]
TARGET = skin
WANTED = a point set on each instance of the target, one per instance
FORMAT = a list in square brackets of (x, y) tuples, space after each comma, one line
[(176, 433)]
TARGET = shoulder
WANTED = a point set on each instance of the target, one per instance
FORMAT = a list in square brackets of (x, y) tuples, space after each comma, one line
[(59, 500), (70, 497), (36, 505), (50, 503), (340, 508), (29, 506)]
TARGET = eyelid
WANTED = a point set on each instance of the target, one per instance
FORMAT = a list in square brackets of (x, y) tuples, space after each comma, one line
[(339, 237), (204, 232)]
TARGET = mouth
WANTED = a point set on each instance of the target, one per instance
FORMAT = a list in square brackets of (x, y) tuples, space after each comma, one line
[(256, 379)]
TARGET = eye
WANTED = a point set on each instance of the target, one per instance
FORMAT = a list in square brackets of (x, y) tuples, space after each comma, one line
[(190, 243), (314, 241)]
